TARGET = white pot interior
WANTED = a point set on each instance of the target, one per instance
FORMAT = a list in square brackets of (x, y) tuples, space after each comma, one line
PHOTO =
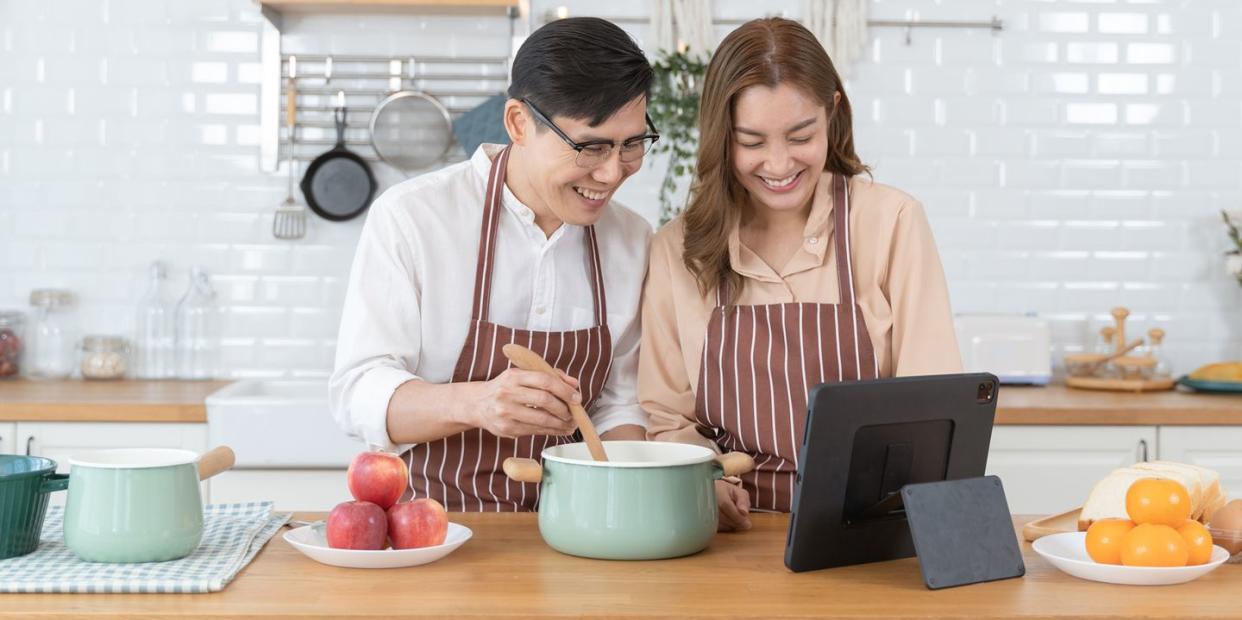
[(632, 454)]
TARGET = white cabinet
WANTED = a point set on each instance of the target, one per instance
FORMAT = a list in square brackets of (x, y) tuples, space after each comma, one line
[(291, 489), (1050, 469), (1213, 447), (60, 440), (8, 438)]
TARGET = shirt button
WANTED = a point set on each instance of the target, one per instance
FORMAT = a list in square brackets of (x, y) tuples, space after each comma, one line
[(527, 214), (812, 240), (538, 309)]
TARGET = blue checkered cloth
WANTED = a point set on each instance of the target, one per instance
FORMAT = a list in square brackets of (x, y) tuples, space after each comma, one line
[(232, 535)]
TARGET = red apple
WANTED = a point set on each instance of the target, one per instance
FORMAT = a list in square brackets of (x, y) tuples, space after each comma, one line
[(420, 523), (357, 525), (377, 477)]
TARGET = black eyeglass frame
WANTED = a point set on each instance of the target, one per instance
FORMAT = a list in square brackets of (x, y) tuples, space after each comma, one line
[(654, 136)]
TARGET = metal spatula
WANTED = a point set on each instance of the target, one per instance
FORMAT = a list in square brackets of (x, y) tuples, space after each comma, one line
[(290, 220)]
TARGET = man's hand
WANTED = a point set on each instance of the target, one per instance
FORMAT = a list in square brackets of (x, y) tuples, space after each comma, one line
[(734, 505), (522, 402)]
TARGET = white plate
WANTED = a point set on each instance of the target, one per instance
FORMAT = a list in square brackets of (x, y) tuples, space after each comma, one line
[(1068, 552), (312, 541)]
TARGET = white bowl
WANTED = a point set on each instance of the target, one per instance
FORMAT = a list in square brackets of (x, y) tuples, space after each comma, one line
[(1068, 552), (312, 541)]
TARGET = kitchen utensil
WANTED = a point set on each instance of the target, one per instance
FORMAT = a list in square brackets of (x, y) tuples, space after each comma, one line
[(411, 130), (529, 360), (1068, 552), (338, 184), (138, 505), (25, 482), (652, 500), (1087, 365), (1114, 370), (312, 541), (290, 220), (1224, 387)]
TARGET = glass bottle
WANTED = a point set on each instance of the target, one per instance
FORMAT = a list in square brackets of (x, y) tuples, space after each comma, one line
[(12, 343), (197, 329), (153, 336), (53, 335)]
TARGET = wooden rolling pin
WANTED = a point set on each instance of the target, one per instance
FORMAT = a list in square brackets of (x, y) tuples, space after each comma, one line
[(529, 360)]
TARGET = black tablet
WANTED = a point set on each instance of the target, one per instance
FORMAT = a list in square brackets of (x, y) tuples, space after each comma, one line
[(864, 441)]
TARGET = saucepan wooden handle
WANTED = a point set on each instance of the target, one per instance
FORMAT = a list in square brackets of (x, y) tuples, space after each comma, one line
[(523, 470), (215, 461), (529, 360), (736, 463)]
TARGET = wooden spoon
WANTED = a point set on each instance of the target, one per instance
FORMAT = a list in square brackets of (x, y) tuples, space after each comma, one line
[(529, 360)]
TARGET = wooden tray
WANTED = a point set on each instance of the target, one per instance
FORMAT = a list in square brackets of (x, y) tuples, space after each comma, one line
[(1120, 385), (1054, 524)]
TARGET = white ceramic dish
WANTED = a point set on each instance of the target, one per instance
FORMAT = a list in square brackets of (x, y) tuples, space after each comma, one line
[(1068, 552), (312, 541)]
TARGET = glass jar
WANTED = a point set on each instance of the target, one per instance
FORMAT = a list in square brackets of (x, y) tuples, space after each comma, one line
[(12, 343), (153, 355), (103, 357), (197, 329), (53, 332)]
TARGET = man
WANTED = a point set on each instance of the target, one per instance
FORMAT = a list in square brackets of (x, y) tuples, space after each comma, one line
[(520, 244)]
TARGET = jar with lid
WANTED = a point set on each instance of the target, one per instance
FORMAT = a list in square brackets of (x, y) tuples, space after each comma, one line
[(53, 333), (12, 339), (104, 357)]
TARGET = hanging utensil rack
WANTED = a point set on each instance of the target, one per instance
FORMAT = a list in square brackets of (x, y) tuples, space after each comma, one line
[(358, 83)]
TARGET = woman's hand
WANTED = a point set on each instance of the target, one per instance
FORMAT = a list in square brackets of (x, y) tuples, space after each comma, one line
[(734, 504), (522, 402)]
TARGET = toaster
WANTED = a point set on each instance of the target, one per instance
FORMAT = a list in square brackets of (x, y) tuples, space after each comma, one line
[(1015, 348)]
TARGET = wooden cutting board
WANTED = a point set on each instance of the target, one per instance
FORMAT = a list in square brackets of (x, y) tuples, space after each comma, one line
[(1053, 524)]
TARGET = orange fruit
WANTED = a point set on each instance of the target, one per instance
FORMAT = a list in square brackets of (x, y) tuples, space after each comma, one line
[(1154, 545), (1198, 541), (1158, 501), (1104, 539)]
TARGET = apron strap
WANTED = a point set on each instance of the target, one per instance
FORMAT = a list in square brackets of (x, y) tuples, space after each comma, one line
[(841, 224), (480, 309)]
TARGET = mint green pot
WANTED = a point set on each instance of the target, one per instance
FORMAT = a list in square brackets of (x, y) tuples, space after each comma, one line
[(140, 505), (650, 500)]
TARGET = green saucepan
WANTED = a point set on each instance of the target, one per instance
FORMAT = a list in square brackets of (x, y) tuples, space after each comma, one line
[(138, 505), (25, 482), (650, 500)]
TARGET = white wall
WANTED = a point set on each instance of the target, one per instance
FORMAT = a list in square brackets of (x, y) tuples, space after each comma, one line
[(1073, 162)]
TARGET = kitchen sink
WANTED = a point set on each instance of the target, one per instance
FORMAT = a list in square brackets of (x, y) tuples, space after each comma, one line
[(278, 424)]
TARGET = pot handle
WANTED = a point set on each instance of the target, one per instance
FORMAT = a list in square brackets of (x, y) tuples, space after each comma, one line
[(734, 463), (54, 482), (215, 461), (523, 470)]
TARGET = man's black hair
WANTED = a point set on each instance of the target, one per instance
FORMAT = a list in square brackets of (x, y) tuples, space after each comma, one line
[(581, 68)]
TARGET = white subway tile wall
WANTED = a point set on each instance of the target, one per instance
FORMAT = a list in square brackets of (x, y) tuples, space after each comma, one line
[(1073, 162)]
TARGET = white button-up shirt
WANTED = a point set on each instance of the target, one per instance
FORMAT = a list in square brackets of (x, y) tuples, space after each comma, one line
[(408, 305)]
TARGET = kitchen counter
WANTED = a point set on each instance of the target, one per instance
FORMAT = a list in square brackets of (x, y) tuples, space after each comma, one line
[(182, 401), (1058, 404), (105, 401), (506, 571)]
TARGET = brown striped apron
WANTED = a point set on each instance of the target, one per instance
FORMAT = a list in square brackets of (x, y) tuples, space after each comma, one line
[(463, 472), (760, 361)]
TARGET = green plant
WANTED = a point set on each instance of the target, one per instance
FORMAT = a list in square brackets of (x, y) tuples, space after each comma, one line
[(1235, 255), (674, 109)]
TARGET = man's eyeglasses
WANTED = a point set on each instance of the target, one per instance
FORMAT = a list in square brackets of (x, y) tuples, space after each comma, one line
[(596, 152)]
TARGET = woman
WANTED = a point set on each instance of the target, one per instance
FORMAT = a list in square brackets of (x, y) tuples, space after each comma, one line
[(787, 270)]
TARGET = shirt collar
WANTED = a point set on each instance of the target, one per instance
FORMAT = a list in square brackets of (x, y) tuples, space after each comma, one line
[(814, 240), (481, 161)]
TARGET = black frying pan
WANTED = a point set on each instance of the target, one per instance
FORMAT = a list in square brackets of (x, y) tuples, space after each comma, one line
[(338, 185)]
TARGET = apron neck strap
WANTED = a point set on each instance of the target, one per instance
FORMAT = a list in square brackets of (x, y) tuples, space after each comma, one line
[(480, 309), (841, 225)]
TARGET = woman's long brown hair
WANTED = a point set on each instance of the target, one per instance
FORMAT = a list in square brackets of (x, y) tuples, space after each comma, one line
[(762, 52)]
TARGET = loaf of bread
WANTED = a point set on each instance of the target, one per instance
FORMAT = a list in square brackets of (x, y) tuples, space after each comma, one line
[(1222, 371), (1108, 497)]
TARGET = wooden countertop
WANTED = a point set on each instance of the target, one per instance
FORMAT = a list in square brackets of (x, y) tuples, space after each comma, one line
[(182, 401), (105, 401), (1058, 404), (506, 571)]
